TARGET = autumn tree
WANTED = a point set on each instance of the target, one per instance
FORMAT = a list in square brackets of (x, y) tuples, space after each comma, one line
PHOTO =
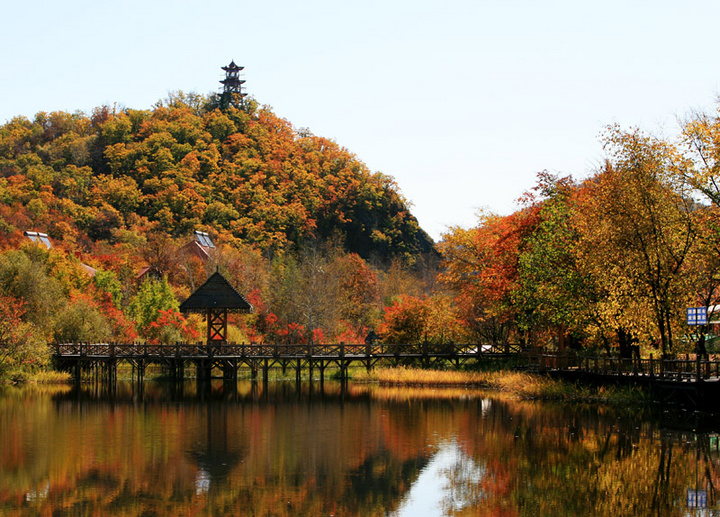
[(22, 347), (305, 291), (405, 321), (637, 233), (701, 141), (481, 266), (359, 293)]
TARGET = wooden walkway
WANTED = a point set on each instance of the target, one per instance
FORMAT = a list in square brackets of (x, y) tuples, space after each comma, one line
[(686, 369), (688, 380), (101, 360)]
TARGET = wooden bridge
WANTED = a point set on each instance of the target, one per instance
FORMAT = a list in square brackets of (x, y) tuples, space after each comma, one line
[(687, 379), (101, 360)]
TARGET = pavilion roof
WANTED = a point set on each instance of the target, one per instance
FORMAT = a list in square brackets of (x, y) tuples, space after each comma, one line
[(216, 293)]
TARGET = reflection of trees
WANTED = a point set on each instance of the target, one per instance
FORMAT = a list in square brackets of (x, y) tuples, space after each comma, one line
[(572, 461), (661, 483), (708, 465), (283, 453), (280, 451), (380, 482)]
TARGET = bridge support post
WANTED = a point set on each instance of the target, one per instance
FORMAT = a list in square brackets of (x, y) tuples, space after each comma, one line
[(109, 371), (342, 363), (141, 371), (229, 368), (203, 370), (343, 370)]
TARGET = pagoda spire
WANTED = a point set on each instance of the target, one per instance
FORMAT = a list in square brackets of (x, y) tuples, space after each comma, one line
[(233, 94)]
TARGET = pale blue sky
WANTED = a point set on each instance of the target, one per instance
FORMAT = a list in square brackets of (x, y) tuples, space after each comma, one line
[(463, 102)]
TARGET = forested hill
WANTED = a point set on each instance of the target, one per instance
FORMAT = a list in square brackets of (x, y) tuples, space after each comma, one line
[(243, 174)]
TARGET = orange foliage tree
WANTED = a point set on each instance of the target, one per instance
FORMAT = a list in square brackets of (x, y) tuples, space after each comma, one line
[(481, 265)]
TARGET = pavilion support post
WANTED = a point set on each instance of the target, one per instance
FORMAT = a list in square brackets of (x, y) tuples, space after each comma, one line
[(217, 325)]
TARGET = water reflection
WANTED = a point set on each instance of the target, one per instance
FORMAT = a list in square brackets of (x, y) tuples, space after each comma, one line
[(283, 449)]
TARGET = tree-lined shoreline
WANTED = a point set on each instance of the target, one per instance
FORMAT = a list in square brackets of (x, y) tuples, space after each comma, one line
[(327, 251)]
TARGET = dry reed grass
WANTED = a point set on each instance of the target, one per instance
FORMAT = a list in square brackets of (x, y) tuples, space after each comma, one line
[(519, 384)]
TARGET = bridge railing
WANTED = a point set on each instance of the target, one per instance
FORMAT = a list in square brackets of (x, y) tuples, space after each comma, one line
[(189, 350), (681, 368)]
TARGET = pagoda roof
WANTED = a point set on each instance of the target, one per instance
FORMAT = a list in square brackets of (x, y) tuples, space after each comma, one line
[(216, 293), (232, 66)]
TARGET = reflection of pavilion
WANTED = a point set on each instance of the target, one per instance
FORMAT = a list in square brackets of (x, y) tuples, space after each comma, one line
[(216, 456)]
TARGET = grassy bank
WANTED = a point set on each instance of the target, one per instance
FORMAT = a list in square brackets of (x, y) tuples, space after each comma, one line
[(522, 385), (35, 377)]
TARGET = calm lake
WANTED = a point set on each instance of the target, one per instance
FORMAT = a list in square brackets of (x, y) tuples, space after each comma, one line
[(313, 450)]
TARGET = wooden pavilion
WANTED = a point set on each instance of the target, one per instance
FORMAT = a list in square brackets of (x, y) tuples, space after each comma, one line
[(216, 298)]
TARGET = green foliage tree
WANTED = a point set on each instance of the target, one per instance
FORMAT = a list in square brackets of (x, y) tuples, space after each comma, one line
[(152, 297), (107, 281), (552, 291), (24, 276), (81, 321)]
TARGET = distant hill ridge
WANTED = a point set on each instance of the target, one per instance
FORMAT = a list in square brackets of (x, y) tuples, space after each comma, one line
[(245, 174)]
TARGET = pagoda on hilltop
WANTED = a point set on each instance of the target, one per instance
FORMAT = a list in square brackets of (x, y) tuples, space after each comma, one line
[(232, 94)]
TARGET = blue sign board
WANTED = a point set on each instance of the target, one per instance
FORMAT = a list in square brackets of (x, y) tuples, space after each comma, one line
[(697, 316), (696, 498)]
